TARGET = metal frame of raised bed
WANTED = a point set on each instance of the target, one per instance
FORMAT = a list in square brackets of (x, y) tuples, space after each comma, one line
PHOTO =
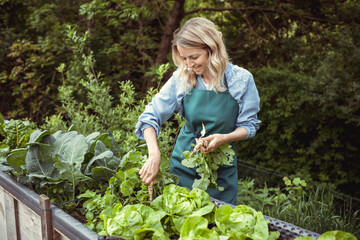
[(50, 222)]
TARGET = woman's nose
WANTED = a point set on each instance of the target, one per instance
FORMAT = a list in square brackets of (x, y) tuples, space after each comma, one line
[(190, 63)]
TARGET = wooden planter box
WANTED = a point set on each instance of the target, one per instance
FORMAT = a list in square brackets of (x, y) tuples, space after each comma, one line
[(26, 215)]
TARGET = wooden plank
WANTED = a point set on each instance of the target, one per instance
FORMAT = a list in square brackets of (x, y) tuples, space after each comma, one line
[(2, 213), (10, 221), (30, 223), (65, 226), (46, 218), (59, 236)]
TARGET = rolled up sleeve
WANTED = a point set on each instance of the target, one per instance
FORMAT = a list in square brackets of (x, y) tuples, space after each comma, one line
[(248, 108), (159, 110)]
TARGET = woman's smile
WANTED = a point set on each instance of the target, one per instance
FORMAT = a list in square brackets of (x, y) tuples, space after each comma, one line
[(194, 58)]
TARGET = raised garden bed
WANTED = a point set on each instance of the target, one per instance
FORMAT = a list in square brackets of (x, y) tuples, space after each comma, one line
[(22, 216), (26, 215)]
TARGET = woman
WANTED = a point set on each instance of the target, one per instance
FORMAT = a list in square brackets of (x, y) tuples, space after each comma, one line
[(206, 88)]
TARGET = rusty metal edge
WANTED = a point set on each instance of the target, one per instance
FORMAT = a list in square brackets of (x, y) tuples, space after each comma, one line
[(63, 222)]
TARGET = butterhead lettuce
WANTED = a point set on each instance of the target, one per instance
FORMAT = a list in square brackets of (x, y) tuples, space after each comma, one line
[(136, 222), (196, 228), (243, 222), (178, 203)]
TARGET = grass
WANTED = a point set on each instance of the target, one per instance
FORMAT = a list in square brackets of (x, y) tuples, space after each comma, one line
[(315, 209)]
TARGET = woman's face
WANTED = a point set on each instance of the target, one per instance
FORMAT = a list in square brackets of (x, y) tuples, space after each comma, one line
[(194, 58)]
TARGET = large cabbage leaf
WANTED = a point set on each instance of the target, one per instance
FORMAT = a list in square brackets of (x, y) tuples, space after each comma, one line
[(16, 159), (39, 161)]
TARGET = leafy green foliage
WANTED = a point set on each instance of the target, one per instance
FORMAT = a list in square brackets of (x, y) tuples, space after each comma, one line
[(90, 105), (135, 222), (294, 137), (177, 213), (315, 209), (15, 133), (208, 164), (314, 50), (63, 163), (331, 235), (196, 227), (124, 187), (304, 57), (177, 203), (243, 222)]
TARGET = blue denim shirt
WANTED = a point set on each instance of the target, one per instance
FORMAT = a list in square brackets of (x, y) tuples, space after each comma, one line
[(241, 86)]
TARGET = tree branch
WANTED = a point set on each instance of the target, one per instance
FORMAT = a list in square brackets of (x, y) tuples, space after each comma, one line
[(269, 22), (311, 18), (250, 26)]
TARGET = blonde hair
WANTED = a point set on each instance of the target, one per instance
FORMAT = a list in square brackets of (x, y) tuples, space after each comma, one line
[(201, 33)]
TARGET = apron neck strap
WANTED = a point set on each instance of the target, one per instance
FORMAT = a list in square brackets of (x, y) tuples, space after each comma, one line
[(225, 82)]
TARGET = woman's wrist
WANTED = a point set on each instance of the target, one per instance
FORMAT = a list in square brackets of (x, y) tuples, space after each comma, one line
[(154, 153), (237, 135)]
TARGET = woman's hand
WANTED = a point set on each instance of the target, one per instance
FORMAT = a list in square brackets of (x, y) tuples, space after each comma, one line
[(216, 140), (150, 169), (213, 142)]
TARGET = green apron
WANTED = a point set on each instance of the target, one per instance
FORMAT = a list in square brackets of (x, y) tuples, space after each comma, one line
[(218, 111)]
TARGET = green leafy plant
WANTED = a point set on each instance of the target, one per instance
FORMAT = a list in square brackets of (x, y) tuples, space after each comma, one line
[(89, 104), (197, 227), (177, 203), (179, 213), (208, 164), (63, 163), (244, 222), (331, 235), (315, 209), (124, 187), (134, 222), (15, 133)]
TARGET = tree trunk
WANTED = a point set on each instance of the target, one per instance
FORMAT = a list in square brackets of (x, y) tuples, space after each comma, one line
[(176, 15)]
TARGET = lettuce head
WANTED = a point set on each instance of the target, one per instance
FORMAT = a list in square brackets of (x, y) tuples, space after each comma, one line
[(136, 222), (244, 222), (178, 203)]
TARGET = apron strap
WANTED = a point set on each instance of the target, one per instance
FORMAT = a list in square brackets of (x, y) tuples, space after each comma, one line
[(225, 82)]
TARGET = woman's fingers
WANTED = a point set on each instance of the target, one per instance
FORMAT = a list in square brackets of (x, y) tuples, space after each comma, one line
[(146, 175), (149, 171)]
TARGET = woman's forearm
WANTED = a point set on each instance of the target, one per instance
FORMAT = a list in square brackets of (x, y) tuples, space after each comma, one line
[(151, 167), (236, 135), (151, 141), (217, 139)]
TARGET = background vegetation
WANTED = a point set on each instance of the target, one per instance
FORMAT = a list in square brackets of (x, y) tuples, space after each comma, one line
[(93, 65)]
